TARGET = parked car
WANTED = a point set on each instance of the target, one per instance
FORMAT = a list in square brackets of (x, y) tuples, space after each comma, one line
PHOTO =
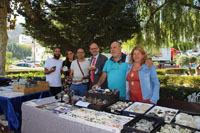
[(25, 66)]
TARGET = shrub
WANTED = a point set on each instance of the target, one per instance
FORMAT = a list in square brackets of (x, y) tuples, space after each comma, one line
[(177, 93), (187, 81), (179, 71), (192, 81), (163, 80), (161, 71)]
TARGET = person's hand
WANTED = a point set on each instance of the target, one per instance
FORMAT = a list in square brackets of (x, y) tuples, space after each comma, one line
[(95, 86), (149, 62), (74, 81), (92, 68), (52, 69)]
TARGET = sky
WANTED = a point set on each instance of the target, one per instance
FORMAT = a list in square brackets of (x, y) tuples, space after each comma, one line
[(20, 19)]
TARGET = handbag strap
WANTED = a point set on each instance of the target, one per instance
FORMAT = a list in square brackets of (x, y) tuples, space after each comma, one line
[(80, 68)]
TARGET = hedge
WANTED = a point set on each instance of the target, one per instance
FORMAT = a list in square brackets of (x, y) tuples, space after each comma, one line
[(13, 72), (177, 71), (177, 93), (187, 81)]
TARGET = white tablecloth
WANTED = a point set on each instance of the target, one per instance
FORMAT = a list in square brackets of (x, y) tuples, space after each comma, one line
[(35, 120)]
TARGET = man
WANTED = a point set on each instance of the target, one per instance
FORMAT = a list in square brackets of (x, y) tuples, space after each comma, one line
[(97, 63), (115, 70), (52, 70), (79, 73)]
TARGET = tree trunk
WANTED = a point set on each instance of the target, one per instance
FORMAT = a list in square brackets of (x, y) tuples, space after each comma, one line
[(198, 69), (190, 70), (3, 34)]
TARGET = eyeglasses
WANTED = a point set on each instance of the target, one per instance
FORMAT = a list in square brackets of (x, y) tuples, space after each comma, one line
[(80, 52), (93, 48)]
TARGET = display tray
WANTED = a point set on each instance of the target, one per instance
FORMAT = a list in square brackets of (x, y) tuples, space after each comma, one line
[(137, 108), (143, 124), (167, 113), (99, 107), (61, 109), (172, 128), (125, 131), (118, 107), (100, 101), (188, 120)]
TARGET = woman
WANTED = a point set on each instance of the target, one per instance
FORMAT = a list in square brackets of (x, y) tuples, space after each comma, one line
[(143, 83), (67, 65)]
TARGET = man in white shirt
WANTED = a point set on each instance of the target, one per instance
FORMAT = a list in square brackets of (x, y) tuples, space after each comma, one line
[(79, 73), (52, 70)]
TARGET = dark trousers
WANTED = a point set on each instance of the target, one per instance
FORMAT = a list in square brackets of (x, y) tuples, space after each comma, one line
[(55, 90)]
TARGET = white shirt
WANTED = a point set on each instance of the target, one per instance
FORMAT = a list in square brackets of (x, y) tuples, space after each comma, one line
[(77, 74), (95, 62), (54, 78)]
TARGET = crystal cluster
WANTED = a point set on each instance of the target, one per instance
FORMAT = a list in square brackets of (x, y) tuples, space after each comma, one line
[(188, 120), (144, 125), (167, 128), (167, 113), (119, 106), (138, 107), (92, 117)]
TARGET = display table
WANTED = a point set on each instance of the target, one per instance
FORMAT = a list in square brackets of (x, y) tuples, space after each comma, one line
[(35, 120), (11, 106), (43, 121)]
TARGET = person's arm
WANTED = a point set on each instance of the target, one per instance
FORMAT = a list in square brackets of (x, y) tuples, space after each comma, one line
[(46, 71), (156, 85), (101, 80), (71, 74)]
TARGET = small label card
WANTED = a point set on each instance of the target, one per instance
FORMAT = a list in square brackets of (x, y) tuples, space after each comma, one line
[(82, 104)]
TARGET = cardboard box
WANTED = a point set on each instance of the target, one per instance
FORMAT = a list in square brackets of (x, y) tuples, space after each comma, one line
[(41, 86), (29, 90), (19, 88), (43, 83), (22, 88)]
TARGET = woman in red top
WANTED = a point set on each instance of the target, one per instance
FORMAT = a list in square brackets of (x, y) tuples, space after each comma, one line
[(143, 81)]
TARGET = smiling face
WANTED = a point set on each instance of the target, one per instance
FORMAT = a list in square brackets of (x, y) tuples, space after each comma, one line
[(94, 49), (80, 53), (56, 53), (69, 54), (137, 56)]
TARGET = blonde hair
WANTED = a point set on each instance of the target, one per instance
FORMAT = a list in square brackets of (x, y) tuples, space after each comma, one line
[(139, 48)]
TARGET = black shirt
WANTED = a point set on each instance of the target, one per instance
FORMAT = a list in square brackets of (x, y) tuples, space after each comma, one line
[(68, 64)]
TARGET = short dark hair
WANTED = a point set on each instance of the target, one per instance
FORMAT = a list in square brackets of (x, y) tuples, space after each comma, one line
[(80, 48), (56, 48)]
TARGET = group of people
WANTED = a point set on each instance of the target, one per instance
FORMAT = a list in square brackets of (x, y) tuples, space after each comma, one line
[(134, 75)]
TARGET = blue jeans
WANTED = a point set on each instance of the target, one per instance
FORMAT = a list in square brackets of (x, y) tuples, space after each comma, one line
[(79, 89)]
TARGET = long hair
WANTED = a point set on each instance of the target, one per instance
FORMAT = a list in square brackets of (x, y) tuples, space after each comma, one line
[(67, 60), (139, 48)]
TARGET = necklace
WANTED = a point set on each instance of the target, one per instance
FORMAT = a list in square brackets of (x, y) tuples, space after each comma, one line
[(136, 67)]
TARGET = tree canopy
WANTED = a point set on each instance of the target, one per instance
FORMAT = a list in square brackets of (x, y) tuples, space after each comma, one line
[(169, 22), (77, 23)]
